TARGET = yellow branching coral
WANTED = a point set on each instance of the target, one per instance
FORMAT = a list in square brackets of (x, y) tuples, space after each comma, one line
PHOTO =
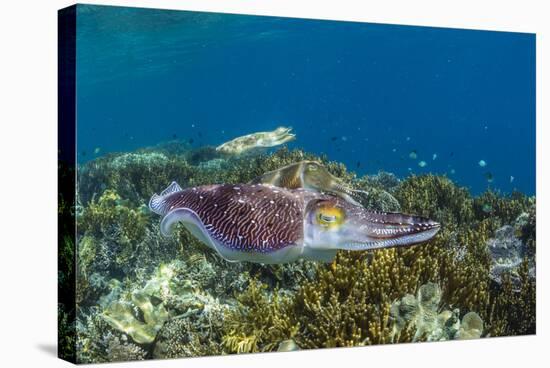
[(110, 210), (436, 197), (260, 321)]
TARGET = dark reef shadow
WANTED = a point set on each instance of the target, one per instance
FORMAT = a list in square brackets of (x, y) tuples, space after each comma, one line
[(50, 349)]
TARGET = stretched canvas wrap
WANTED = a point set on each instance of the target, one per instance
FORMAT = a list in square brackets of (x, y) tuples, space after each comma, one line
[(233, 184)]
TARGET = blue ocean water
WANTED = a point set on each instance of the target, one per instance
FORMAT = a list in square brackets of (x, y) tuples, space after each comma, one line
[(367, 95)]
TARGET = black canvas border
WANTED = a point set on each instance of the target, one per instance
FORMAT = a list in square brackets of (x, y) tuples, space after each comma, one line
[(66, 135)]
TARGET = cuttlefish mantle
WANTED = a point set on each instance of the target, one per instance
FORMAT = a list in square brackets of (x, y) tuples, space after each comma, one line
[(266, 224)]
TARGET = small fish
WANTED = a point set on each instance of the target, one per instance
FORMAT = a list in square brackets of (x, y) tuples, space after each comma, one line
[(489, 177), (413, 155), (358, 164), (408, 139), (511, 179), (344, 138), (288, 345), (482, 163), (394, 150), (422, 164), (434, 156), (487, 208), (333, 139), (451, 154), (97, 150), (453, 171)]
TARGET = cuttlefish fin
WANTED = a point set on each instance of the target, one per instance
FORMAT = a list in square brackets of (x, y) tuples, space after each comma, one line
[(193, 223), (157, 203), (173, 187)]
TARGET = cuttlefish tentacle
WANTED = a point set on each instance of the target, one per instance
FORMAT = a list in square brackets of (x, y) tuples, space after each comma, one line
[(267, 224)]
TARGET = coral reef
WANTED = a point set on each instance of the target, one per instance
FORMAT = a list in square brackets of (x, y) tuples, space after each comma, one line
[(436, 197), (143, 296), (507, 254), (122, 351), (245, 327)]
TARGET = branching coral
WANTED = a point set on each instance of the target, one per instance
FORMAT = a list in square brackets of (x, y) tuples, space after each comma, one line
[(110, 232), (436, 197), (506, 208), (259, 322), (110, 211)]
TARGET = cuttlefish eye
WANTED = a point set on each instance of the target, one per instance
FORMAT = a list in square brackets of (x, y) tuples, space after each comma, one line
[(312, 167), (329, 216)]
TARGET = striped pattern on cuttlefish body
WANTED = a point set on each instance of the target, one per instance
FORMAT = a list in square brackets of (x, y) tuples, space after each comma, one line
[(267, 224)]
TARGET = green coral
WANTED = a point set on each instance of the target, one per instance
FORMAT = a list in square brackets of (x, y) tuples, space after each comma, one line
[(506, 208), (99, 217), (111, 231), (436, 197)]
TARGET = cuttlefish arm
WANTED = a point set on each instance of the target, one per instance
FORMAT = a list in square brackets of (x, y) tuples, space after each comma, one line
[(337, 224)]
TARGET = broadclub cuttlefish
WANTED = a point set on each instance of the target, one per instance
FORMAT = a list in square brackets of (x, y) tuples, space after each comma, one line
[(263, 223), (310, 175), (255, 141)]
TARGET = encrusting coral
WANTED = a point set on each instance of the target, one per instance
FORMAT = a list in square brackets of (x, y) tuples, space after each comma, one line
[(142, 296)]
